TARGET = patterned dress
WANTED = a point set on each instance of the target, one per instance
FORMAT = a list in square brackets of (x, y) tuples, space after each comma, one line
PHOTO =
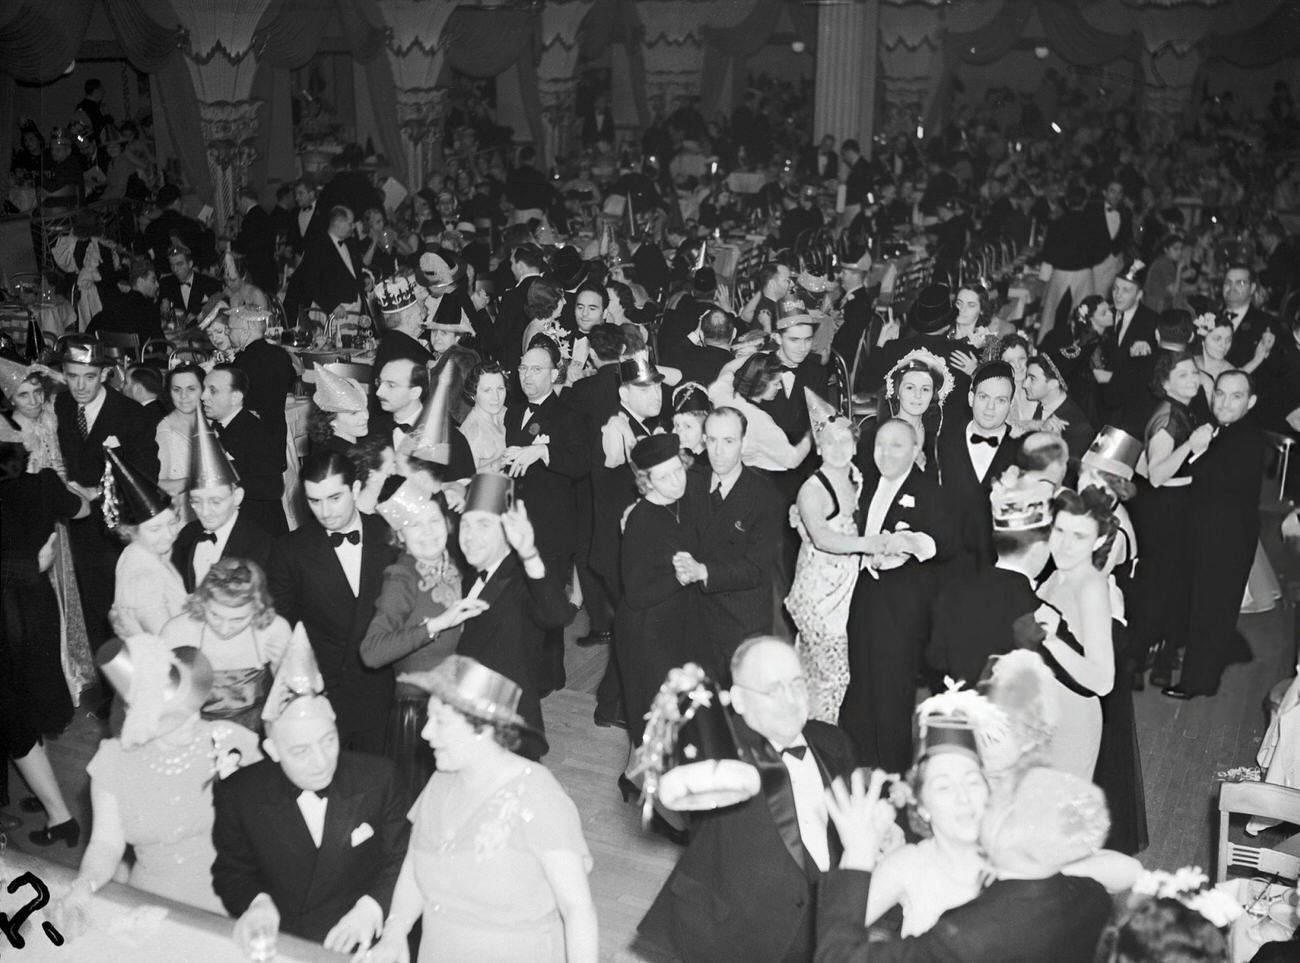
[(819, 605)]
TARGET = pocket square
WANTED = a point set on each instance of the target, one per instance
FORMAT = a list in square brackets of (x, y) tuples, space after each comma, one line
[(361, 834), (901, 527), (906, 501)]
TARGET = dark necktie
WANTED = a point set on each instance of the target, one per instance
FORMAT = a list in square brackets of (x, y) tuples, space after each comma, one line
[(338, 538), (991, 440), (796, 751), (715, 498), (208, 537), (83, 426)]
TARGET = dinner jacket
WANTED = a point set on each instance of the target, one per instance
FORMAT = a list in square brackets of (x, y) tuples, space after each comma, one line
[(744, 890), (248, 540), (739, 544), (309, 586), (202, 287), (548, 489), (1246, 337), (1128, 396), (256, 242), (120, 418), (323, 279), (973, 617), (257, 456), (1079, 432), (790, 411), (264, 846), (271, 377), (965, 494)]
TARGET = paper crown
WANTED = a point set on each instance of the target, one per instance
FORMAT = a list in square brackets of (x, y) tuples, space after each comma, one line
[(130, 496), (1113, 450), (210, 466), (298, 690), (1135, 272), (654, 450), (336, 393), (690, 397), (431, 439), (12, 375), (396, 294), (689, 754), (820, 411), (158, 687), (489, 492), (638, 369), (406, 506), (82, 349), (1021, 503), (791, 311)]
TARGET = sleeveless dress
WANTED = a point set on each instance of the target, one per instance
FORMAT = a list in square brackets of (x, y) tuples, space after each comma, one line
[(486, 896), (928, 891), (818, 604), (1077, 741), (238, 694)]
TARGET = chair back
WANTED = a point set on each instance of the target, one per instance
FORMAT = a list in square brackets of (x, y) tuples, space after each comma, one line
[(839, 386), (120, 344), (1256, 799), (348, 369)]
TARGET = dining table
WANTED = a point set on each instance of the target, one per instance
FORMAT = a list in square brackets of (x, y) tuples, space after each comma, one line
[(125, 925), (1270, 915)]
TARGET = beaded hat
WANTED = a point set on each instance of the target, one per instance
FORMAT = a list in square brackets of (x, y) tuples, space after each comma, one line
[(298, 690), (820, 411), (12, 375), (336, 393), (406, 506)]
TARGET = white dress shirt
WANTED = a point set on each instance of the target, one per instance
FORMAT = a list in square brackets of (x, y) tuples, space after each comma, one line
[(981, 455), (312, 808), (809, 803), (880, 502), (304, 218), (480, 583), (93, 409), (1113, 221), (787, 382), (1125, 320), (207, 553), (725, 484), (349, 557), (344, 253)]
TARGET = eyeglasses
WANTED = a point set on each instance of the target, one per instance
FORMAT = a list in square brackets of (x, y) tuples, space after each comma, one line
[(795, 688)]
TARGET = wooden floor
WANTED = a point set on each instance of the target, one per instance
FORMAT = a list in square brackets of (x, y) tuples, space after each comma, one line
[(1184, 744)]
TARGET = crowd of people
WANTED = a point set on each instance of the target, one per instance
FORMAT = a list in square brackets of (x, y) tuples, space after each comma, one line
[(569, 409)]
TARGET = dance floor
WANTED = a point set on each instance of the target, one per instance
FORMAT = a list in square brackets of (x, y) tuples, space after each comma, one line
[(1184, 744)]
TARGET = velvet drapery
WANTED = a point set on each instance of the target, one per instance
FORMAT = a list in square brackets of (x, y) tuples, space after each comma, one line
[(726, 48), (616, 21), (1272, 39)]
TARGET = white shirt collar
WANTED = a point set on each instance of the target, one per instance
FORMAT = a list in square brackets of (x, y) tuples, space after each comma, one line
[(223, 532), (95, 407), (725, 484)]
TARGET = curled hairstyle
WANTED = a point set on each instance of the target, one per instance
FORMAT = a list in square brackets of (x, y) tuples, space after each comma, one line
[(897, 375), (1092, 503), (756, 375), (476, 375), (234, 582), (1166, 362), (1151, 930), (542, 299)]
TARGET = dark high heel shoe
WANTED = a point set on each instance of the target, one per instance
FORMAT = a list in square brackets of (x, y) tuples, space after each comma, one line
[(678, 837), (629, 790), (69, 832)]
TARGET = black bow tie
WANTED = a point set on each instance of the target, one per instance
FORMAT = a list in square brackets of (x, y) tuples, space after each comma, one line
[(991, 440), (1111, 210), (338, 538), (318, 793), (208, 537), (532, 406), (404, 429), (796, 751), (481, 575)]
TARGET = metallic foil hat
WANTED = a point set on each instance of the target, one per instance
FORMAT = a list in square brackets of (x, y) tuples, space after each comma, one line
[(210, 466), (431, 439), (336, 393), (298, 690), (862, 264), (406, 506), (12, 374), (131, 497), (1113, 450), (638, 369), (489, 492), (820, 411), (470, 687), (791, 311), (1022, 504), (396, 294), (82, 349)]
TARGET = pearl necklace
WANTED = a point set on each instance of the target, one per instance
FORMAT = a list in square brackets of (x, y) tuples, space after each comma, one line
[(174, 765)]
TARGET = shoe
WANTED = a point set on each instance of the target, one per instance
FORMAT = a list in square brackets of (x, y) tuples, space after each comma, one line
[(30, 804), (596, 638), (661, 826), (1162, 678), (1175, 692), (608, 721), (628, 789), (69, 832)]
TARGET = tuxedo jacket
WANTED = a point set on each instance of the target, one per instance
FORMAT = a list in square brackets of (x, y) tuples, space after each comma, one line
[(790, 411), (1128, 395), (1103, 245), (256, 242), (739, 544), (744, 889), (252, 447), (129, 313), (859, 322), (1060, 918), (202, 287), (548, 489), (121, 418), (309, 586), (699, 363), (317, 225), (247, 540), (966, 494), (508, 636), (973, 615), (461, 463), (271, 377), (1079, 432), (918, 506), (1246, 337), (512, 319), (264, 846), (323, 279)]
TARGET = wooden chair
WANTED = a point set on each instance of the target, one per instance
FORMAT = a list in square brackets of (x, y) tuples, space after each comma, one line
[(1256, 799), (839, 386)]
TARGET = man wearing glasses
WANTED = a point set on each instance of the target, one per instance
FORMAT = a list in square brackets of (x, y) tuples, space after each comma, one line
[(744, 889)]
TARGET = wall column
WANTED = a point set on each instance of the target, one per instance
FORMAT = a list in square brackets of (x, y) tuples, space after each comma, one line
[(847, 55)]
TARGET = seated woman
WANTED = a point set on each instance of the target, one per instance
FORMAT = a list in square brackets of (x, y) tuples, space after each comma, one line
[(484, 426), (497, 868), (340, 414), (148, 590), (175, 433), (744, 385), (217, 328), (231, 619), (151, 785), (417, 618), (239, 290)]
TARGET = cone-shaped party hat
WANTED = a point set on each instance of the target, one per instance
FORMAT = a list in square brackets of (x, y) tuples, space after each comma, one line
[(210, 466), (130, 496), (298, 690), (431, 440), (336, 393)]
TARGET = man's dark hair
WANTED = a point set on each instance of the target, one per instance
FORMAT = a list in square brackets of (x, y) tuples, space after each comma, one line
[(768, 272), (718, 325), (850, 145), (542, 342), (591, 288), (1040, 451), (238, 376), (606, 342), (1240, 373), (728, 410), (531, 255), (339, 212), (1015, 544), (147, 377), (283, 192), (321, 464)]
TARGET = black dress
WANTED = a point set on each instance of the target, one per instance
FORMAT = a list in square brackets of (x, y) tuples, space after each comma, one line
[(34, 698), (658, 624)]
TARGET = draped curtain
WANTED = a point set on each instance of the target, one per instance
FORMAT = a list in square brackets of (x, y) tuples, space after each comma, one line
[(1276, 37), (728, 47), (611, 22)]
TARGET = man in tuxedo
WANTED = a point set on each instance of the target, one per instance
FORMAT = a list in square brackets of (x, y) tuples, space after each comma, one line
[(745, 889), (271, 375), (973, 454), (172, 228), (402, 388), (185, 289), (800, 369), (256, 240), (327, 575), (773, 282), (739, 517), (144, 385), (1029, 913), (136, 311), (1054, 410), (311, 839), (857, 179), (910, 533), (250, 444), (524, 597), (88, 413), (308, 220), (1249, 323), (220, 530), (330, 273), (856, 306), (820, 163), (527, 262), (703, 362), (546, 454), (1111, 222), (401, 322), (1127, 398)]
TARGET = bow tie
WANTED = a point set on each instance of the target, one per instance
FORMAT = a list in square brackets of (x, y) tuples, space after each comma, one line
[(404, 429), (796, 751), (208, 537), (991, 440), (318, 793), (338, 538), (306, 210), (481, 575), (1110, 210), (532, 406)]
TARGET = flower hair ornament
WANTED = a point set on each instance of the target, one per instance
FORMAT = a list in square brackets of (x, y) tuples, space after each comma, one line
[(1205, 323), (931, 361), (1191, 887)]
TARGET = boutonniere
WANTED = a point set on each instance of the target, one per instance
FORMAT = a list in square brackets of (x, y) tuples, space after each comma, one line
[(534, 428), (902, 527), (739, 527), (906, 501)]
